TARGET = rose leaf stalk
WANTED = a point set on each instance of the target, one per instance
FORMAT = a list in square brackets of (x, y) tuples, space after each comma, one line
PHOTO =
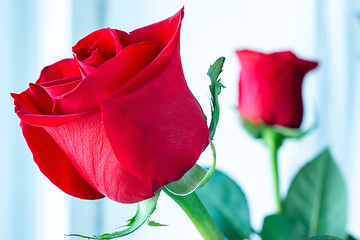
[(200, 217), (273, 141)]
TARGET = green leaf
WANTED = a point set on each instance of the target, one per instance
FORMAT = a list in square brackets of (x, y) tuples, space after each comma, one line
[(194, 179), (281, 227), (349, 237), (324, 238), (317, 198), (215, 89), (227, 205), (144, 211)]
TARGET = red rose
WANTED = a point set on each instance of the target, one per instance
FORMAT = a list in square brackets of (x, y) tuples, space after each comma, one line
[(118, 120), (270, 87)]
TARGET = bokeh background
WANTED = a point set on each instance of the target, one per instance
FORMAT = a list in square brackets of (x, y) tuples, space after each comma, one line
[(36, 33)]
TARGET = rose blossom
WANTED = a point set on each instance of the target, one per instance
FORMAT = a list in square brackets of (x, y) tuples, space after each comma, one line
[(270, 87), (117, 120)]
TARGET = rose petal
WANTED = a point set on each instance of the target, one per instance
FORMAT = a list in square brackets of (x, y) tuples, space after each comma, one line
[(27, 110), (107, 44), (157, 185), (25, 101), (90, 64), (124, 38), (158, 131), (170, 38), (55, 165), (107, 41), (256, 82), (107, 79), (62, 87), (81, 47), (288, 108), (161, 32), (85, 143), (42, 98), (62, 69), (60, 81)]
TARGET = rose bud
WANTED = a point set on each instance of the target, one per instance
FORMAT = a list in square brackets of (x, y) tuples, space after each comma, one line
[(270, 87), (118, 120)]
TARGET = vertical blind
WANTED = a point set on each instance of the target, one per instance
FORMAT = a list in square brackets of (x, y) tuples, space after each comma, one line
[(18, 61)]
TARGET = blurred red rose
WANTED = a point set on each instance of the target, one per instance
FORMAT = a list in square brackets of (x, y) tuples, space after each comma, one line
[(270, 87), (118, 120)]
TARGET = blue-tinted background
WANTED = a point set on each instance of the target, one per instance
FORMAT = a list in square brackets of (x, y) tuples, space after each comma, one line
[(36, 33)]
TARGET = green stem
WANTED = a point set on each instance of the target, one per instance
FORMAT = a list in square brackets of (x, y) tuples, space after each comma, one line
[(275, 171), (273, 141), (196, 211)]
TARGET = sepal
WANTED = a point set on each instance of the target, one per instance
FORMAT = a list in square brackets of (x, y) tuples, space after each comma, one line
[(215, 90), (144, 210), (194, 179), (261, 129)]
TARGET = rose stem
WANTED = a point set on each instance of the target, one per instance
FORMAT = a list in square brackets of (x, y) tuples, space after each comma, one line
[(273, 141), (196, 211)]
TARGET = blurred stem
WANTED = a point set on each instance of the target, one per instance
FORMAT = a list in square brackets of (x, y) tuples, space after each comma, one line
[(273, 141), (200, 217)]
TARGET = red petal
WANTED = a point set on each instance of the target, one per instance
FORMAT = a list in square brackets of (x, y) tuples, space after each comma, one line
[(61, 81), (290, 72), (27, 110), (55, 165), (85, 143), (62, 69), (107, 79), (62, 87), (82, 46), (95, 59), (25, 101), (157, 185), (255, 85), (107, 44), (42, 98), (124, 38), (169, 37), (158, 131), (161, 32)]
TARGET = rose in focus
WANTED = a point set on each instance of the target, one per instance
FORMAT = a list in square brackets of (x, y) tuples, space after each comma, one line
[(270, 87), (117, 120)]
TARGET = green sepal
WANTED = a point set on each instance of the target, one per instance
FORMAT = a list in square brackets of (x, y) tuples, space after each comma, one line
[(293, 132), (215, 90), (227, 205), (144, 210), (257, 131), (194, 179), (155, 224), (251, 129)]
